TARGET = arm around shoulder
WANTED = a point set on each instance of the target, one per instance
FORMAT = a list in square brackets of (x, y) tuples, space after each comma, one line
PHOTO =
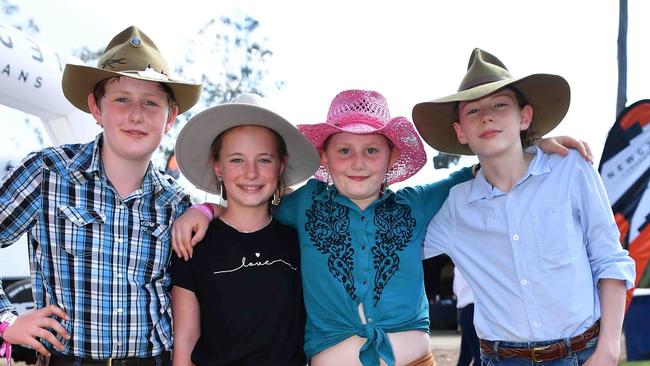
[(430, 197)]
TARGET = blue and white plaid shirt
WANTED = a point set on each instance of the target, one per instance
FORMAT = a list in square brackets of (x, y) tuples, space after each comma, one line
[(101, 258)]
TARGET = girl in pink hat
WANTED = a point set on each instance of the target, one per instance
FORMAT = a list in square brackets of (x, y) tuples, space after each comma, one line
[(361, 243)]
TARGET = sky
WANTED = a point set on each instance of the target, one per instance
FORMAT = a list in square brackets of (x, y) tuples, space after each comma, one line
[(410, 51)]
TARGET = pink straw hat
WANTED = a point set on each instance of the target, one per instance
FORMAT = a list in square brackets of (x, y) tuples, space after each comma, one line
[(363, 112)]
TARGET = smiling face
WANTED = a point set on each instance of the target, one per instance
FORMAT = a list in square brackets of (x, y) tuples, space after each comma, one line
[(249, 162), (358, 165), (491, 126), (135, 114)]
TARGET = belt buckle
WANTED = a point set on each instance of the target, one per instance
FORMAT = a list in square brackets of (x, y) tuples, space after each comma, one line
[(109, 362), (533, 354)]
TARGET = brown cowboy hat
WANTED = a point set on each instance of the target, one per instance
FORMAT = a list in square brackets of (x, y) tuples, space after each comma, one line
[(549, 95), (133, 54)]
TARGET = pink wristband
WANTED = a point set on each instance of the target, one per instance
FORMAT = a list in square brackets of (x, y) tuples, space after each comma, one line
[(204, 208), (5, 347)]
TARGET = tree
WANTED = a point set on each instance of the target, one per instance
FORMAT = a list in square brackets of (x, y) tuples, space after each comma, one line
[(10, 13), (87, 55), (229, 56)]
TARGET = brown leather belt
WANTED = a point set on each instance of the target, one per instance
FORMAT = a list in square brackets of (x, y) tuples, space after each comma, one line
[(548, 352), (164, 359)]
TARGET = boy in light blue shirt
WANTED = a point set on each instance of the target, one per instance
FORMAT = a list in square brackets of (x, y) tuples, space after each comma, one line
[(533, 233)]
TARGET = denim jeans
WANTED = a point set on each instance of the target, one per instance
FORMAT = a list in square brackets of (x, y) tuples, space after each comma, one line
[(571, 359), (469, 346)]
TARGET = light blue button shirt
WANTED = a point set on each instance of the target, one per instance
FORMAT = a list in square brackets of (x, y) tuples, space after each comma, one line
[(533, 256)]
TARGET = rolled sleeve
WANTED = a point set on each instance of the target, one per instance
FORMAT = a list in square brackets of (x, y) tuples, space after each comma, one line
[(607, 257)]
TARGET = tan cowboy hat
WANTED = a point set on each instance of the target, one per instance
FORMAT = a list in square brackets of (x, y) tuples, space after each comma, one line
[(130, 53), (195, 141), (549, 95)]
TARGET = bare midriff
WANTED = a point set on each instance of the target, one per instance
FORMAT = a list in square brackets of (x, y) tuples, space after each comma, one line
[(408, 346)]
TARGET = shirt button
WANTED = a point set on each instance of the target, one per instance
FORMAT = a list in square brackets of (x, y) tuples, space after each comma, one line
[(363, 247), (515, 237), (119, 275), (363, 218), (120, 241), (536, 324), (369, 320), (119, 343), (365, 283), (524, 282), (119, 310)]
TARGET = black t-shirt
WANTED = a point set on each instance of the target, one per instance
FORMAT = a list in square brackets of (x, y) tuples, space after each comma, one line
[(250, 296)]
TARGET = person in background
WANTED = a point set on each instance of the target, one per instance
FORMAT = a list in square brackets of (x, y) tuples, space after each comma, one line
[(470, 351), (98, 217)]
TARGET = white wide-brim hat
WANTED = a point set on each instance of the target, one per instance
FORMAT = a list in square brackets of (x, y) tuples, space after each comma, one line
[(194, 142)]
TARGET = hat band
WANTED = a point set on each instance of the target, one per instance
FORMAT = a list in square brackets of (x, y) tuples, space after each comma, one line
[(357, 119), (480, 81), (148, 73)]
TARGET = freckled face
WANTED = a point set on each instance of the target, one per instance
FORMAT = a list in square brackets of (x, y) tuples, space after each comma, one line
[(249, 165), (135, 115), (358, 165)]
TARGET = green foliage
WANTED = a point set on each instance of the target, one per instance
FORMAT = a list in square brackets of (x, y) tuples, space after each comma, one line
[(229, 56), (10, 14), (88, 56)]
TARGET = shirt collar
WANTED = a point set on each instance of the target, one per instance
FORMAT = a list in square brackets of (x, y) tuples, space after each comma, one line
[(482, 189), (87, 164)]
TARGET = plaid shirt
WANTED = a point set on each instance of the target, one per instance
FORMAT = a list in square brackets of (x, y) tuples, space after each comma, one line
[(101, 258)]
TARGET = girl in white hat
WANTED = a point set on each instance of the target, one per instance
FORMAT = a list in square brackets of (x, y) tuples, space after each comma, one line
[(238, 300)]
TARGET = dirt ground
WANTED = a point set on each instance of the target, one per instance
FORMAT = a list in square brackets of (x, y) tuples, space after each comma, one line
[(445, 346)]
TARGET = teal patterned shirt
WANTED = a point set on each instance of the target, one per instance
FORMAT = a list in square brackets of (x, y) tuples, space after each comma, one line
[(373, 257)]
